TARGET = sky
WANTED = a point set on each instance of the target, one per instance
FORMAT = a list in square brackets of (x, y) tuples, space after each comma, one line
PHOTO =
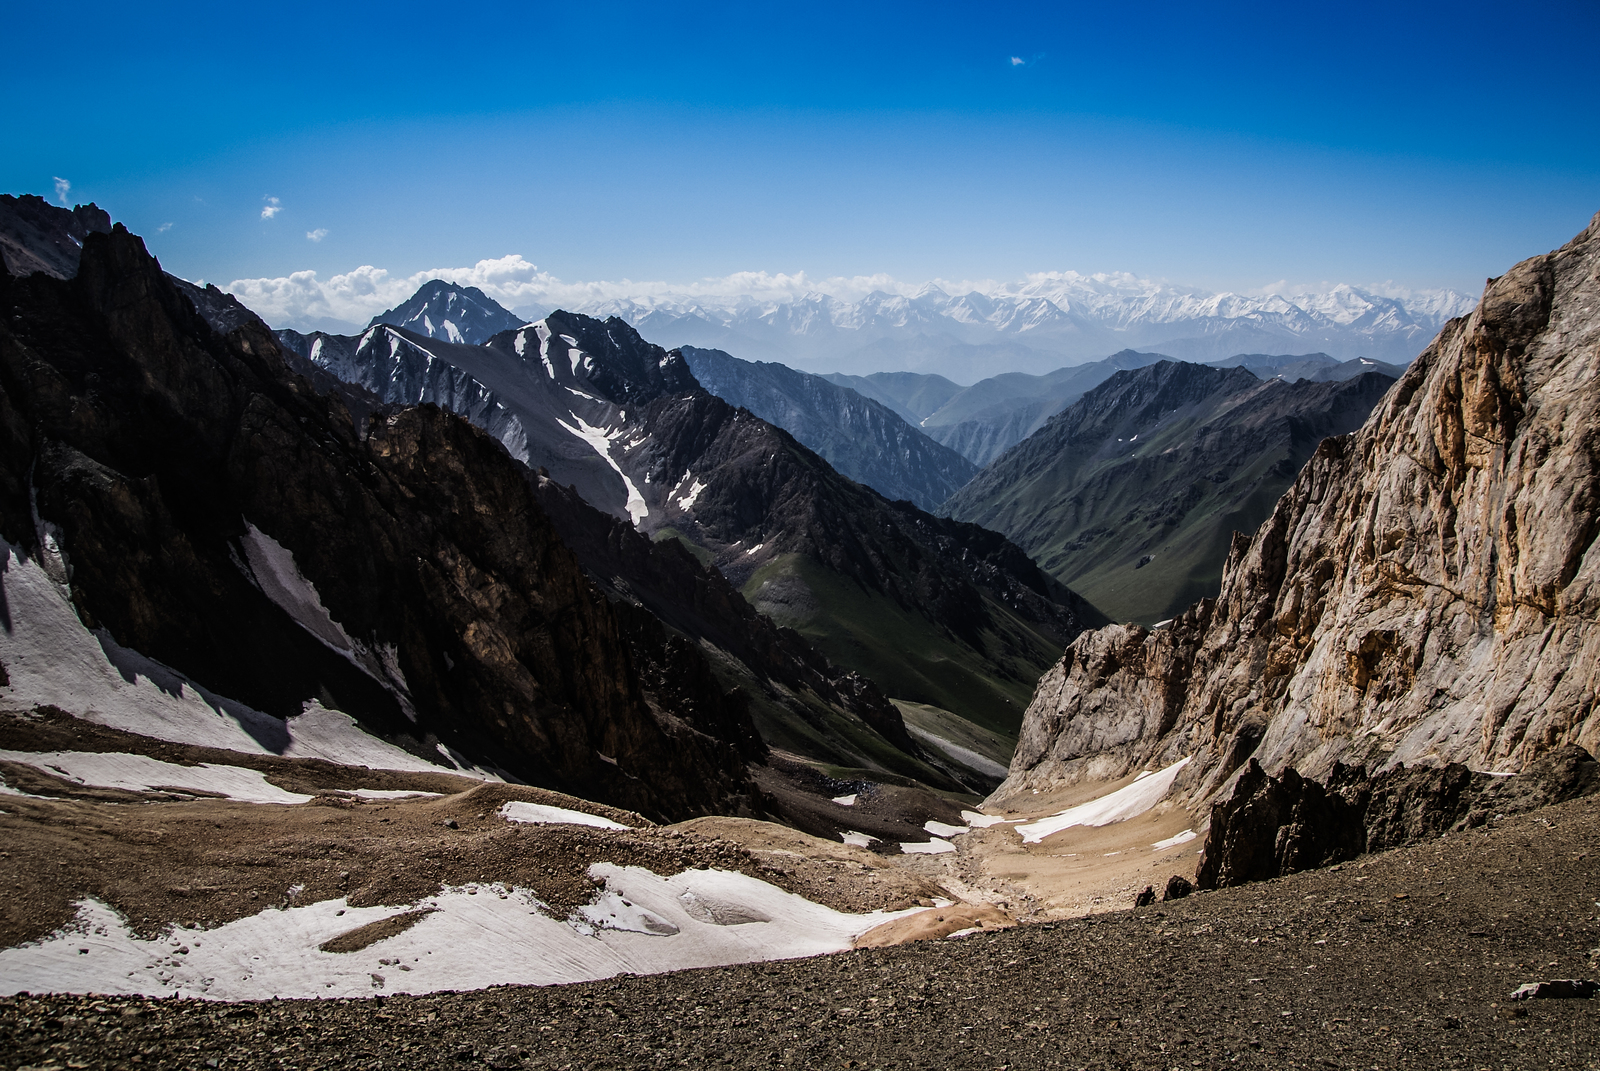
[(1239, 147)]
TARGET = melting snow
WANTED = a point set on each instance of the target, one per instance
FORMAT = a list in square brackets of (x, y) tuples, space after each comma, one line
[(846, 801), (1126, 802), (275, 572), (983, 821), (932, 847), (942, 829), (1176, 839), (965, 756), (600, 439), (139, 773), (473, 936), (545, 815), (385, 793), (859, 840), (52, 659), (687, 499)]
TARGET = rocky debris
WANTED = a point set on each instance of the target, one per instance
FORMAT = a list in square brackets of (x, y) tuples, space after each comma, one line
[(142, 443), (1177, 888), (1365, 980), (1557, 989), (1423, 592), (1279, 825), (1146, 897)]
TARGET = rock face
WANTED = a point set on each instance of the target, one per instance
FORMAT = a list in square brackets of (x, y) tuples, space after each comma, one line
[(1130, 495), (860, 437), (150, 460), (1271, 826), (37, 236), (1425, 591)]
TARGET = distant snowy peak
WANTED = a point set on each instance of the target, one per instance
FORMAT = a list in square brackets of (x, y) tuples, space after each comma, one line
[(1066, 314), (451, 313)]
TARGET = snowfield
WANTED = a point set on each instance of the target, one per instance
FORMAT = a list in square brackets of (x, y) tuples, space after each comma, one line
[(1130, 801), (470, 937)]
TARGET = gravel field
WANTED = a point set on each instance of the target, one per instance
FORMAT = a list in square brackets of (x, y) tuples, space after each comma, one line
[(1403, 960)]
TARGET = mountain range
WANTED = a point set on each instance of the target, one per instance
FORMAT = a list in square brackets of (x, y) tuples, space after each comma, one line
[(932, 611), (1045, 322), (983, 421)]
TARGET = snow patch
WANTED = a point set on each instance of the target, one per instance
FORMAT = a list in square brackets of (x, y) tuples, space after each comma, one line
[(600, 440), (1176, 839), (932, 847), (845, 801), (53, 660), (473, 936), (963, 755), (687, 499), (944, 829), (983, 821), (140, 773), (545, 815), (273, 568), (1126, 802), (859, 840)]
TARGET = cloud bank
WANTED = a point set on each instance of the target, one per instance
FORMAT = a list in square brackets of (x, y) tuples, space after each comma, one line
[(306, 301)]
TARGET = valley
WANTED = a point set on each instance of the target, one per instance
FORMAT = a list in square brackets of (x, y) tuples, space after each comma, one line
[(544, 679)]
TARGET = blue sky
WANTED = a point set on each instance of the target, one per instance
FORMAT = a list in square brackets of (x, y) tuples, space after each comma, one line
[(1227, 148)]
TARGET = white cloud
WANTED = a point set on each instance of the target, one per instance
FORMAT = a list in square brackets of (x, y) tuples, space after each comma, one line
[(271, 208), (317, 235), (164, 228), (63, 187), (1018, 61)]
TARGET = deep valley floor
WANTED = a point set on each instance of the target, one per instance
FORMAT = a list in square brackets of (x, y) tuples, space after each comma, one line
[(1400, 960)]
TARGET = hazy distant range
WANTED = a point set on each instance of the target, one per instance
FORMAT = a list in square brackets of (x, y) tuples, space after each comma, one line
[(1064, 319)]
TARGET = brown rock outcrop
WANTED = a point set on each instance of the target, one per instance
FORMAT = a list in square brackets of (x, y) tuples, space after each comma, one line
[(1424, 592)]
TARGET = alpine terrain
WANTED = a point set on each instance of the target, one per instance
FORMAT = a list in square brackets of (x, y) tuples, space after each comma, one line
[(934, 612), (440, 695)]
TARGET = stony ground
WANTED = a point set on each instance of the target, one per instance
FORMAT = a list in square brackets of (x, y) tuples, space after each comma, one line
[(1403, 960)]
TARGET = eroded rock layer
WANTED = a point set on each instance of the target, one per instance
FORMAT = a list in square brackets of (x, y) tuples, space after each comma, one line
[(1424, 592)]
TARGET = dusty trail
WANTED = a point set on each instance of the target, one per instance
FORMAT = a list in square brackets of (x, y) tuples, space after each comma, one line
[(1402, 960)]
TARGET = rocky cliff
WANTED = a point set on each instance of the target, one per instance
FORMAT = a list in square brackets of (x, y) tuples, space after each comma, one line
[(1425, 591)]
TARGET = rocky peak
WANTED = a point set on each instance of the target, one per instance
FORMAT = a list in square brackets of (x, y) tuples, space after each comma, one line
[(36, 235), (1424, 592), (450, 313), (608, 356)]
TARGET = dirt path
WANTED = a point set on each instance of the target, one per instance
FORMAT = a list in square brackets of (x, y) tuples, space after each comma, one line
[(1403, 960)]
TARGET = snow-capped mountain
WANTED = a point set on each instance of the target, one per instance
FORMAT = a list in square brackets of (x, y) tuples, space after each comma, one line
[(461, 314), (1038, 324)]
